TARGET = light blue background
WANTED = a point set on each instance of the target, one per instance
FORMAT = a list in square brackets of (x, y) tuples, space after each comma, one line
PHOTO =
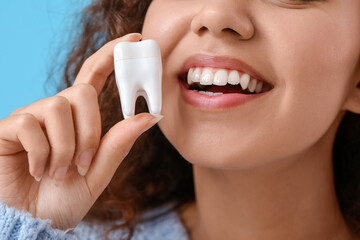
[(31, 33)]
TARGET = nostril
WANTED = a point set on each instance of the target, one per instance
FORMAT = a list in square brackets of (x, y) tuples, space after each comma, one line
[(202, 29), (230, 30), (233, 32)]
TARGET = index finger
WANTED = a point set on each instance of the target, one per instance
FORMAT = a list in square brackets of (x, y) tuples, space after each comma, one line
[(99, 66)]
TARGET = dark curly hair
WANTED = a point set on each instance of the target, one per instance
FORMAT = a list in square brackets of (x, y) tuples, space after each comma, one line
[(154, 173)]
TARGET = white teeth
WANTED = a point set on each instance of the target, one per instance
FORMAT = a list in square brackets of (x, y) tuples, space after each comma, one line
[(259, 86), (252, 85), (207, 77), (211, 93), (221, 78), (234, 78), (190, 76), (244, 81), (196, 75)]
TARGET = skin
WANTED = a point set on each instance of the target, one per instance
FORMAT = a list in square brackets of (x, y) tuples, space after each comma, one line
[(269, 161), (264, 183)]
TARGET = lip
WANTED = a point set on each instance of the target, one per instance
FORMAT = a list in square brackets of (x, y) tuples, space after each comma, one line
[(209, 103), (225, 62)]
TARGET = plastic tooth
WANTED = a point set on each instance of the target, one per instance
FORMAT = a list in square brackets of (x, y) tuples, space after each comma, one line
[(259, 86), (133, 61), (221, 78), (128, 98), (244, 81), (252, 85), (207, 77)]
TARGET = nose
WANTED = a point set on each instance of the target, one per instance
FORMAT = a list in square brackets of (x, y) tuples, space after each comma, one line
[(219, 17)]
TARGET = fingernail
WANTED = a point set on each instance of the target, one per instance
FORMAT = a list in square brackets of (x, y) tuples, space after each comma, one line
[(138, 35), (60, 173), (38, 174), (81, 171), (84, 161), (38, 179), (156, 119), (151, 123)]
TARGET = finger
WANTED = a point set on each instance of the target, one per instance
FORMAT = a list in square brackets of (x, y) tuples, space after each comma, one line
[(114, 146), (99, 66), (55, 116), (87, 122), (23, 132)]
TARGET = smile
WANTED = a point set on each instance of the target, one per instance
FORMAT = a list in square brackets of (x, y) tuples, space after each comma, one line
[(211, 82), (205, 80)]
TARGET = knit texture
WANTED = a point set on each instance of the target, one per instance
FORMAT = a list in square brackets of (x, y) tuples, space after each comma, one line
[(15, 224), (20, 225)]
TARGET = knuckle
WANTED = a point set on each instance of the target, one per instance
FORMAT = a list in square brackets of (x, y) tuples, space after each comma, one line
[(85, 90), (26, 120), (58, 104)]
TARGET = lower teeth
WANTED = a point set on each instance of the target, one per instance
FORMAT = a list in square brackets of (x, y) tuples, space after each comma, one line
[(210, 93)]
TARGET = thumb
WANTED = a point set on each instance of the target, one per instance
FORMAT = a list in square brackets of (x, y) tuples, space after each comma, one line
[(114, 147)]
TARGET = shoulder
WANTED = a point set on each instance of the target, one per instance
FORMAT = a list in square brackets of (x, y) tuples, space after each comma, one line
[(161, 223)]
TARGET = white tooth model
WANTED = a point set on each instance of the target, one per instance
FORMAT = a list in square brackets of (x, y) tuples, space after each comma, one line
[(138, 72)]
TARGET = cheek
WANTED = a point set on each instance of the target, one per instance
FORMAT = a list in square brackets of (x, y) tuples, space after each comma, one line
[(313, 61), (166, 22)]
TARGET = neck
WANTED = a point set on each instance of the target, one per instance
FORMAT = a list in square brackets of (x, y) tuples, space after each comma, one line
[(291, 199)]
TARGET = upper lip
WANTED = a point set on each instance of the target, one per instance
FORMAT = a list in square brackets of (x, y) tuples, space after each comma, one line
[(224, 62)]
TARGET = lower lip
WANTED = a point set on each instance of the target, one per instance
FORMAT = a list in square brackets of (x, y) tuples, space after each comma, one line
[(205, 102)]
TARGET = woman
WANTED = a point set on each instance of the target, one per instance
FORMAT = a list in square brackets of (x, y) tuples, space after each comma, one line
[(276, 78)]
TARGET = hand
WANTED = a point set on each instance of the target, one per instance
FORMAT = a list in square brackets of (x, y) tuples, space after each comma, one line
[(53, 163)]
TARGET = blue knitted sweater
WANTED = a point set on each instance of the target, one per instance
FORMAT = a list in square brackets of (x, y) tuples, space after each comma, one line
[(20, 225)]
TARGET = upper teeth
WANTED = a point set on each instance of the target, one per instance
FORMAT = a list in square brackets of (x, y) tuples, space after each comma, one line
[(221, 77)]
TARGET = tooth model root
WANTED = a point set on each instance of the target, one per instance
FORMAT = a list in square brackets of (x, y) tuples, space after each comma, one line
[(153, 101), (138, 72), (128, 99)]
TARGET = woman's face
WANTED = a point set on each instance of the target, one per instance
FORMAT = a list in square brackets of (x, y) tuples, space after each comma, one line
[(305, 52)]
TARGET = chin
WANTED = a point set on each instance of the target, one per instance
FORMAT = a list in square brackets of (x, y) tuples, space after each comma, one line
[(210, 154)]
